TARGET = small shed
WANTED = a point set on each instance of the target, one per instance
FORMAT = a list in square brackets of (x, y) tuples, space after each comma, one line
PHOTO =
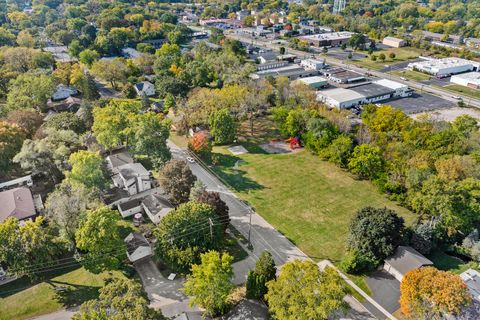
[(138, 247), (404, 260), (393, 42)]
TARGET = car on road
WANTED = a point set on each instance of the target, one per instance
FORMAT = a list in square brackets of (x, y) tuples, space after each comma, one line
[(457, 97), (190, 159), (403, 78)]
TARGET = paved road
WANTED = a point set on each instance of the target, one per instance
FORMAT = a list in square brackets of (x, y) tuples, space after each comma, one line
[(332, 61)]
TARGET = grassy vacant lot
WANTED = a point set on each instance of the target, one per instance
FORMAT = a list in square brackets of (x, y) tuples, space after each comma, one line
[(20, 301), (401, 54), (411, 75), (309, 200), (463, 90)]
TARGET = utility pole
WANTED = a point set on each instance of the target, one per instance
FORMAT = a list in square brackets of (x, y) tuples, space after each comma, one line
[(249, 224)]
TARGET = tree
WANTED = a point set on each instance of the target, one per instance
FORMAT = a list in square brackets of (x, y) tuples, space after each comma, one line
[(357, 41), (87, 169), (197, 190), (49, 154), (200, 144), (149, 139), (366, 161), (186, 232), (88, 87), (99, 241), (392, 55), (219, 207), (65, 205), (350, 55), (119, 299), (428, 293), (382, 56), (339, 150), (25, 39), (88, 57), (222, 126), (23, 246), (302, 291), (28, 120), (282, 50), (422, 238), (29, 90), (112, 71), (257, 279), (66, 121), (11, 139), (111, 123), (209, 285), (376, 232), (177, 179)]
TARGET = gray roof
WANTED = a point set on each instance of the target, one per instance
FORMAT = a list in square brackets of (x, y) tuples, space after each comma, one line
[(156, 203), (130, 204), (372, 90), (120, 159), (406, 258), (135, 240), (16, 203), (132, 170)]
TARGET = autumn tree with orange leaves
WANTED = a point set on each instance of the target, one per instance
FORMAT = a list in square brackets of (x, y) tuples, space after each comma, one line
[(429, 293), (200, 144)]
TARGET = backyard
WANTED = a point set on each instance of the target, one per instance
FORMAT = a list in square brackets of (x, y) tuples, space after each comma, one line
[(19, 300)]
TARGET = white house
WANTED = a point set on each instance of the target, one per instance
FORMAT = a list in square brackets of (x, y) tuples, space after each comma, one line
[(145, 87), (156, 207), (404, 260), (130, 208), (138, 247), (63, 92), (133, 178)]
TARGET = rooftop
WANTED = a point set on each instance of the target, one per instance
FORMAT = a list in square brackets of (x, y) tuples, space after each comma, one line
[(119, 159), (444, 63), (390, 84), (372, 90), (406, 258), (471, 278), (393, 39), (341, 94), (329, 36), (132, 171), (472, 76), (17, 203), (312, 80), (158, 206)]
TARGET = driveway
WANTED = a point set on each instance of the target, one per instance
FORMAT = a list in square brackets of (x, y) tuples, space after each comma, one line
[(385, 290)]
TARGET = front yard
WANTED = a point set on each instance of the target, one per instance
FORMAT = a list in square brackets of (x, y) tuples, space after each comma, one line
[(19, 300)]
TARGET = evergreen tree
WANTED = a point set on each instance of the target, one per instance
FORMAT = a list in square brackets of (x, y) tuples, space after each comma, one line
[(89, 88)]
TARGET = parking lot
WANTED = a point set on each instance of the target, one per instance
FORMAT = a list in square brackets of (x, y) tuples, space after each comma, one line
[(421, 102)]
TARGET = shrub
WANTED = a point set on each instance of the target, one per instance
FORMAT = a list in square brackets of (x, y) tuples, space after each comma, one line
[(256, 285), (356, 263)]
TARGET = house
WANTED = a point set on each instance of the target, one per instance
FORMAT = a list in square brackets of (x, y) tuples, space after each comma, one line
[(130, 208), (138, 247), (393, 42), (63, 92), (145, 87), (156, 207), (404, 260), (71, 104), (17, 203), (60, 53), (471, 278), (118, 159), (131, 53), (132, 177)]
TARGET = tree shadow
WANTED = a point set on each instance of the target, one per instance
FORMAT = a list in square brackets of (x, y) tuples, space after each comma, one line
[(73, 295)]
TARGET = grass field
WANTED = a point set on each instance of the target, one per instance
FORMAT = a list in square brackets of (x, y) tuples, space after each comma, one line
[(443, 261), (309, 200), (401, 54), (18, 302), (463, 90), (411, 75)]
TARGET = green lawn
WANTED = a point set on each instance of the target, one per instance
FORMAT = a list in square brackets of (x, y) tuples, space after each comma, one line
[(446, 262), (411, 75), (401, 54), (309, 200), (474, 93), (18, 302)]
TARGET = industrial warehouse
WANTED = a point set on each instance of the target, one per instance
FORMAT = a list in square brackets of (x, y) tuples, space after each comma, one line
[(469, 79), (376, 91), (332, 39), (446, 67)]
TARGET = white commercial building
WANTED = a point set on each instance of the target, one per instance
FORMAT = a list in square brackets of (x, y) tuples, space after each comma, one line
[(333, 39), (401, 90), (312, 64), (444, 67), (340, 98), (470, 79)]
